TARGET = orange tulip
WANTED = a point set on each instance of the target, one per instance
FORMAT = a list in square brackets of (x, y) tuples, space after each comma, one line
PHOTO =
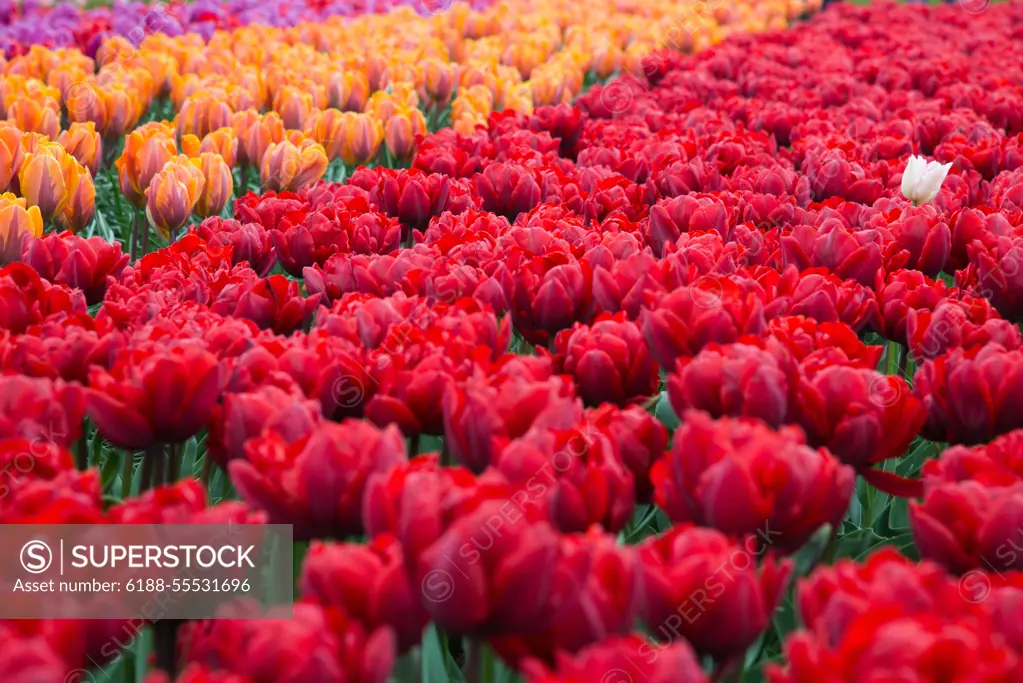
[(222, 141), (348, 90), (11, 154), (173, 194), (438, 82), (124, 106), (49, 177), (18, 222), (382, 106), (288, 167), (361, 138), (202, 113), (219, 185), (146, 151), (35, 116), (83, 142), (81, 207), (253, 142), (401, 130), (293, 105), (327, 128)]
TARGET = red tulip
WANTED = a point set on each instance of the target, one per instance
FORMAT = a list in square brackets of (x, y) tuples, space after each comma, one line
[(927, 647), (77, 262), (316, 483), (971, 394), (736, 380), (608, 360), (700, 586), (43, 411), (478, 412), (250, 242), (623, 657), (641, 440), (576, 474), (604, 604), (713, 309), (368, 582), (863, 417), (314, 644), (274, 303), (245, 416), (507, 190), (713, 476), (153, 396)]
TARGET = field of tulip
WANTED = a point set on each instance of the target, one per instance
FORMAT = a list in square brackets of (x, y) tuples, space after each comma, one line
[(578, 342)]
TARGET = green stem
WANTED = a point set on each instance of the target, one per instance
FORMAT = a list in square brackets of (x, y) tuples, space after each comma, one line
[(127, 474)]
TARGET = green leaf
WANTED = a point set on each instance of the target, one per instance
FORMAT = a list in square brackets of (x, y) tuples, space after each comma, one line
[(665, 414)]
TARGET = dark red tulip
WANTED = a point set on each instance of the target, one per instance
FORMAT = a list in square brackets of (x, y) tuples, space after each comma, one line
[(368, 582), (314, 643), (737, 380), (507, 189), (329, 230), (604, 605), (79, 263), (624, 657), (608, 360), (244, 416), (927, 647), (971, 394), (714, 476), (274, 303), (713, 309), (863, 417), (582, 480), (154, 395), (641, 440), (45, 412), (316, 483), (26, 299), (478, 413), (686, 595), (949, 325), (250, 242), (477, 581)]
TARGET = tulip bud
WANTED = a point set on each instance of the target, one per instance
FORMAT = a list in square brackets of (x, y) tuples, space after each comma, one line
[(83, 142), (362, 137), (18, 224), (288, 167), (11, 154), (293, 105), (218, 187), (202, 113), (348, 91), (49, 177), (381, 106), (222, 141), (327, 128), (438, 82), (123, 108), (259, 136), (34, 116), (146, 151), (401, 131), (82, 205), (172, 195)]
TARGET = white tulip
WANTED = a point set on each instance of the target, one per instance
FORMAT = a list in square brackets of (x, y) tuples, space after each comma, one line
[(922, 179)]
